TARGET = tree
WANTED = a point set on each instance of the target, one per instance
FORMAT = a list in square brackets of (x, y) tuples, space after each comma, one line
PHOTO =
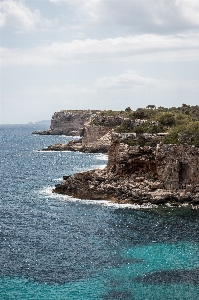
[(151, 106)]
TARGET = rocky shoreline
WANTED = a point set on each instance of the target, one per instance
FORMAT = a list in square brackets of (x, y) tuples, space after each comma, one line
[(95, 139), (148, 163), (140, 175), (78, 146)]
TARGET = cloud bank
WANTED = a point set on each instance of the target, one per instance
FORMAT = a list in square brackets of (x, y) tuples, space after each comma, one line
[(139, 15), (142, 47), (17, 15)]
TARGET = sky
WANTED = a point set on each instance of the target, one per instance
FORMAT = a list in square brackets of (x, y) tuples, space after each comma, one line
[(96, 54)]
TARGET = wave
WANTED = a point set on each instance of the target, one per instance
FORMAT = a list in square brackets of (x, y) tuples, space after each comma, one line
[(101, 156), (51, 151), (47, 192), (98, 167), (58, 179), (108, 203)]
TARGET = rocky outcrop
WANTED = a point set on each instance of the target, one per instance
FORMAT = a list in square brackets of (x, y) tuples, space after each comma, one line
[(67, 123), (93, 133), (96, 139), (141, 175), (109, 121)]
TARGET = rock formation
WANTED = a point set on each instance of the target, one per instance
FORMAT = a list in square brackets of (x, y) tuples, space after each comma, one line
[(68, 123), (95, 139), (153, 155), (141, 175)]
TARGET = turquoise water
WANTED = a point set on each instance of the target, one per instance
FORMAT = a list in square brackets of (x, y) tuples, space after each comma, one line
[(55, 247)]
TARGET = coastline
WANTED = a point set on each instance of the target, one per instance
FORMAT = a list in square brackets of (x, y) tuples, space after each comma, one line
[(153, 155), (140, 175)]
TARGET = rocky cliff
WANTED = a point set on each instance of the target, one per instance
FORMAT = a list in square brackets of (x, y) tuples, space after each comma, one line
[(142, 175), (68, 123), (95, 139), (147, 162)]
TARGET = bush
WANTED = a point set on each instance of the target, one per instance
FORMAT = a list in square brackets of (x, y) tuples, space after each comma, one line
[(171, 138), (141, 141), (141, 113), (167, 119), (181, 134)]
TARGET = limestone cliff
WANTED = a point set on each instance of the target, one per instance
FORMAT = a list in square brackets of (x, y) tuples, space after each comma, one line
[(68, 123), (142, 175), (93, 133), (95, 138)]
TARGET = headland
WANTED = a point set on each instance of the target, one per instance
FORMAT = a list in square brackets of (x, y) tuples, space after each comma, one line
[(153, 155)]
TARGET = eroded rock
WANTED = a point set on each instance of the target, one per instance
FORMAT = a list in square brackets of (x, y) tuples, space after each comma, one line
[(67, 123), (134, 174)]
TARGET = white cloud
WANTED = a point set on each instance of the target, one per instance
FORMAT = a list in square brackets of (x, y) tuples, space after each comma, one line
[(139, 15), (189, 10), (127, 80), (16, 14), (130, 81), (145, 47)]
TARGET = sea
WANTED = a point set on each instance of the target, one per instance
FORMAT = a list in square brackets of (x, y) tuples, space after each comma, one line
[(55, 247)]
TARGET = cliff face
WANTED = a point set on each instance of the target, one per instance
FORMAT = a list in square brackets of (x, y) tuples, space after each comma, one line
[(93, 133), (95, 139), (176, 166), (140, 175), (68, 123)]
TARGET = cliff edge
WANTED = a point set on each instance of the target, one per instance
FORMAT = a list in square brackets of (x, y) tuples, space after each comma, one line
[(67, 122)]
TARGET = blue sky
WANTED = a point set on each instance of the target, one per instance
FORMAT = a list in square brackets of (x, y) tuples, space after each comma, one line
[(97, 54)]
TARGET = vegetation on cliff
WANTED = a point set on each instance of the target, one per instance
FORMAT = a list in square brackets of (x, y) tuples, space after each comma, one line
[(180, 123)]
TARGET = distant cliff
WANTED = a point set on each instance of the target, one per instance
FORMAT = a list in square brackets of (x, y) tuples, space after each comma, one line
[(92, 126), (69, 123)]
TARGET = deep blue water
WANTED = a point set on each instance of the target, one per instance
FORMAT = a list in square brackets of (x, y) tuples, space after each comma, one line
[(55, 247)]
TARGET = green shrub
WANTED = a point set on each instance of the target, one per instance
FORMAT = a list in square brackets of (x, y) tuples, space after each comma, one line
[(171, 138), (186, 133), (141, 141), (167, 119)]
